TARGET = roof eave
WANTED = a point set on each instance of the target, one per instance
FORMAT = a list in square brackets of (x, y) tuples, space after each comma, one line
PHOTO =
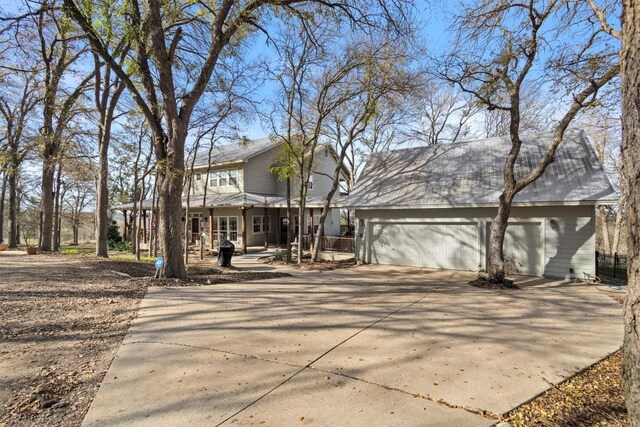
[(607, 202)]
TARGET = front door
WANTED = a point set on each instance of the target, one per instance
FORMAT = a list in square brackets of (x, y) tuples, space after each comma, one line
[(284, 224), (195, 229)]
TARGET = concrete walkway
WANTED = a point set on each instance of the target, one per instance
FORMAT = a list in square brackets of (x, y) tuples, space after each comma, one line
[(365, 346)]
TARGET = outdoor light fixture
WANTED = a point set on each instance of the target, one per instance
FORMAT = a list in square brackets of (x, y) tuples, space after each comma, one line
[(554, 225)]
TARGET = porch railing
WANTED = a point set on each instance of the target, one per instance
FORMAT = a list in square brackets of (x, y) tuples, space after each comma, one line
[(331, 243)]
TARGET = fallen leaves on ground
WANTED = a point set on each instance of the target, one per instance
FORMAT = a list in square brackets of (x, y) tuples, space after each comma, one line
[(307, 265), (591, 398), (62, 320), (484, 283)]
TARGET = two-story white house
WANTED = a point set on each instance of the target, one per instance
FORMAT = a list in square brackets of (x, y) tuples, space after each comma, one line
[(246, 203)]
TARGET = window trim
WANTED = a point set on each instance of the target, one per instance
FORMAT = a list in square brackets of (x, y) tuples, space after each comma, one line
[(260, 224)]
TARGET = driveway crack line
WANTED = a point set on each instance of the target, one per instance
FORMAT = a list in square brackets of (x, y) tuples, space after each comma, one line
[(308, 365), (487, 414)]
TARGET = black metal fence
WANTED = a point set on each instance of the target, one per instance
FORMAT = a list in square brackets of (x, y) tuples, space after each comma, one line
[(614, 266)]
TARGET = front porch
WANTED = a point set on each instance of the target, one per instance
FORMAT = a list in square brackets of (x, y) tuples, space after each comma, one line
[(246, 219)]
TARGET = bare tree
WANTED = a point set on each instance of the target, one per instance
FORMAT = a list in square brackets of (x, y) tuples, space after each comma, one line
[(603, 125), (498, 46), (78, 194), (444, 113), (17, 104), (108, 89), (385, 73), (59, 48), (535, 116), (314, 84), (176, 48)]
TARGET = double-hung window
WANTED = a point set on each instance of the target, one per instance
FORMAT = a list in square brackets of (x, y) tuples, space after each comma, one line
[(223, 178), (257, 223)]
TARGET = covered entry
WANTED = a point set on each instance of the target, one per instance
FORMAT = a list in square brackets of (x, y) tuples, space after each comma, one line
[(451, 245)]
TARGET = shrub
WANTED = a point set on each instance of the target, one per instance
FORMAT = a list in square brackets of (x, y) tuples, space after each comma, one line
[(279, 256)]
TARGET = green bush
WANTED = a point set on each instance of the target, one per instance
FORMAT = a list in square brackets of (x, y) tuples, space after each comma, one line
[(279, 256), (121, 246), (113, 235)]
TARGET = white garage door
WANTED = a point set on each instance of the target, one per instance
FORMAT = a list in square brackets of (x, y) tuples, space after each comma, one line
[(522, 243), (437, 245)]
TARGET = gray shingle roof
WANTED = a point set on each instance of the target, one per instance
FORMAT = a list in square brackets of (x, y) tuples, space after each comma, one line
[(471, 174), (238, 152)]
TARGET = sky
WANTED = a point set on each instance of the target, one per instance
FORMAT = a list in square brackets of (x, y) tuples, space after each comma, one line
[(434, 19)]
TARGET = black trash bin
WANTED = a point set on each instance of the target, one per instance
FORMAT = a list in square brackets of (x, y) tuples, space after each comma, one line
[(225, 252)]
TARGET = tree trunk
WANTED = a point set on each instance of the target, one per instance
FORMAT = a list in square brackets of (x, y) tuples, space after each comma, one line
[(3, 194), (630, 60), (102, 200), (13, 210), (170, 175), (498, 228), (48, 173), (125, 226), (604, 226), (56, 210), (618, 224)]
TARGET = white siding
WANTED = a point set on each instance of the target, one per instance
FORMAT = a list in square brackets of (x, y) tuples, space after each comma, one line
[(322, 171), (567, 232), (257, 177)]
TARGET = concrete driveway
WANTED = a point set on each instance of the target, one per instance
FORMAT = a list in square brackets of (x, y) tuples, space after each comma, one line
[(369, 346)]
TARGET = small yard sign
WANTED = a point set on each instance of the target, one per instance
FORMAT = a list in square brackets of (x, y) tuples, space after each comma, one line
[(159, 268)]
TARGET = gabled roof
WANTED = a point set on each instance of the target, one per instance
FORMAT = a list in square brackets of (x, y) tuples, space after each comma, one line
[(237, 152), (471, 174)]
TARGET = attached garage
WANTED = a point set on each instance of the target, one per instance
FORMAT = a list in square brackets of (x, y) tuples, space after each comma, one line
[(432, 207)]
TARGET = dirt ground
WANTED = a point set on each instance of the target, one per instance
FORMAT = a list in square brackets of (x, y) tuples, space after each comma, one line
[(62, 319)]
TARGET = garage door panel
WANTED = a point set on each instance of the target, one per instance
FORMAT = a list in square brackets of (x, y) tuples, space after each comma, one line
[(432, 245), (388, 241)]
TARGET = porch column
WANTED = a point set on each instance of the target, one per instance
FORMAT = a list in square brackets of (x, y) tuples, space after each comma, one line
[(243, 229), (211, 229), (311, 240), (264, 226), (277, 227)]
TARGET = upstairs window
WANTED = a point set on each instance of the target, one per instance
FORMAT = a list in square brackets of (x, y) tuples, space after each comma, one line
[(223, 178), (233, 177), (310, 183)]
